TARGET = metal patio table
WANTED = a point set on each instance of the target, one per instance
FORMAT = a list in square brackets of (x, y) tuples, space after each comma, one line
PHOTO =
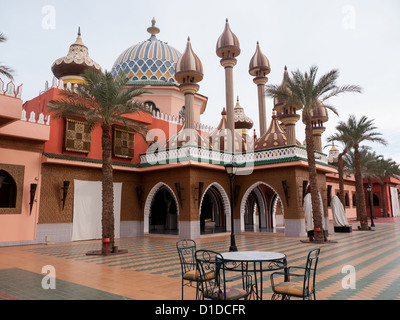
[(255, 262)]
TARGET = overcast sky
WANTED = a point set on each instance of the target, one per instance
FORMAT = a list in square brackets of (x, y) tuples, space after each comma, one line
[(360, 38)]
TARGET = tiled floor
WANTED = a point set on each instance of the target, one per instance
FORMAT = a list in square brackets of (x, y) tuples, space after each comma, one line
[(151, 270)]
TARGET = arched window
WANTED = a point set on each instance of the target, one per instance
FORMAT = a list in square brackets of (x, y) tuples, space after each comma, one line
[(8, 190), (375, 199), (346, 199)]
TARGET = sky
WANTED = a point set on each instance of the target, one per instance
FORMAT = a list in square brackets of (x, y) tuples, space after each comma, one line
[(359, 38)]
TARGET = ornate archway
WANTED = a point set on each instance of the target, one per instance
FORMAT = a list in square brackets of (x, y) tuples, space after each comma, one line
[(169, 221), (266, 209), (217, 202)]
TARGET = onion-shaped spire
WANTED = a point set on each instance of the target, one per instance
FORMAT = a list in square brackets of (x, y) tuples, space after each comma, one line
[(228, 44), (189, 68), (259, 64), (319, 114)]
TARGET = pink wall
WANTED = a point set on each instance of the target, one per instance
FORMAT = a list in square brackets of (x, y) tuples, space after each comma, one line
[(20, 227)]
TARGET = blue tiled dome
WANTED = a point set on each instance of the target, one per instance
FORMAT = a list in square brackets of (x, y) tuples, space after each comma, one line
[(150, 60)]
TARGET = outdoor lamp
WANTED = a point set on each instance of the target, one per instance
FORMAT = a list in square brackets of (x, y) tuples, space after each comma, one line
[(231, 170)]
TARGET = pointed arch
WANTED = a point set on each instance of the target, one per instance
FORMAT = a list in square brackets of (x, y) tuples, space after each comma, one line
[(225, 202), (263, 208), (149, 200)]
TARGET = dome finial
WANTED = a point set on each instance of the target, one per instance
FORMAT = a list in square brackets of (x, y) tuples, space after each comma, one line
[(79, 31), (153, 30)]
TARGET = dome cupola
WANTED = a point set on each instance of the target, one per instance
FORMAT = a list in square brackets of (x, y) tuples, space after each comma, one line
[(242, 121), (148, 62), (274, 137), (71, 67)]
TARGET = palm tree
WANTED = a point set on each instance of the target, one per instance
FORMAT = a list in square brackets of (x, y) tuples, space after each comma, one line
[(307, 91), (4, 70), (103, 100), (342, 135), (361, 131)]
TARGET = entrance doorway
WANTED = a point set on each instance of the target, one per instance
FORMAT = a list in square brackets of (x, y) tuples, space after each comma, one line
[(163, 216), (212, 212), (259, 208)]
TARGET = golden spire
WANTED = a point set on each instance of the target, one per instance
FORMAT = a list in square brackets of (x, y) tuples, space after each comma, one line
[(153, 30)]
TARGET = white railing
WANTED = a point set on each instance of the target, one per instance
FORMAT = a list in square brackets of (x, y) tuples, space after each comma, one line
[(199, 154)]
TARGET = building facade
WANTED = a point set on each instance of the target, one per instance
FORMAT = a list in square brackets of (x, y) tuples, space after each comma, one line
[(174, 181)]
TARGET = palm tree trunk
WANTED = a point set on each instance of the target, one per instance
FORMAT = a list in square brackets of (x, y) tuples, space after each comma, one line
[(107, 189), (341, 180), (385, 212), (312, 171), (361, 207)]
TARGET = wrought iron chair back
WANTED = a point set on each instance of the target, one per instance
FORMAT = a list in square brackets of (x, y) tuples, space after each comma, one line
[(310, 272), (212, 269), (304, 290), (186, 251)]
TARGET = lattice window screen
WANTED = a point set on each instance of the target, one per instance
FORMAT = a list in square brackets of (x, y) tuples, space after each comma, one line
[(77, 136), (123, 143)]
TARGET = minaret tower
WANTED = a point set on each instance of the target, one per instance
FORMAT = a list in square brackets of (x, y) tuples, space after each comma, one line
[(287, 114), (189, 71), (319, 116), (259, 68), (228, 48)]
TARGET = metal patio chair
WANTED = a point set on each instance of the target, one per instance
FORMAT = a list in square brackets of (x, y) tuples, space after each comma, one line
[(304, 287), (215, 283), (190, 276)]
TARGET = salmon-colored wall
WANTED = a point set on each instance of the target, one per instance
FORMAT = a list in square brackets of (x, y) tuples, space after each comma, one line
[(21, 227)]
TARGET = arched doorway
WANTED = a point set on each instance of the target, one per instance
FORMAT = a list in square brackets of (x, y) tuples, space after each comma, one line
[(259, 206), (161, 211), (213, 210)]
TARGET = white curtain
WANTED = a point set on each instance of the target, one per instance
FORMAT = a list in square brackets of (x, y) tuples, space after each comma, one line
[(309, 213), (86, 223), (395, 201), (339, 215)]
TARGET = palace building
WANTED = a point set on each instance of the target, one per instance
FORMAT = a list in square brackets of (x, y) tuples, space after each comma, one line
[(173, 182)]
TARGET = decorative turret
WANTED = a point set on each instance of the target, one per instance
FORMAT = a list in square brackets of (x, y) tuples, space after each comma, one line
[(220, 139), (259, 68), (242, 121), (71, 67), (333, 155), (228, 46), (274, 137), (228, 49), (318, 117), (287, 113), (188, 71)]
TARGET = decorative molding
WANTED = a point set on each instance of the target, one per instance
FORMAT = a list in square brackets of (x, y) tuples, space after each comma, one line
[(10, 90)]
